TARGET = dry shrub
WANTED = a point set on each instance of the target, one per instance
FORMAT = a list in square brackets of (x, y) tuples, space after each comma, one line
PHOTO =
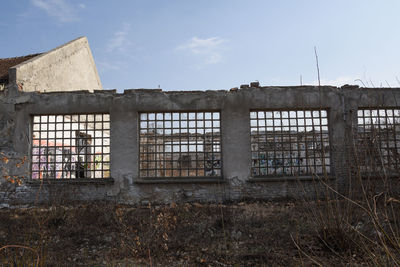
[(362, 218)]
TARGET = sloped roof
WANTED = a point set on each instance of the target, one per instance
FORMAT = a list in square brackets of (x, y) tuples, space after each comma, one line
[(6, 63)]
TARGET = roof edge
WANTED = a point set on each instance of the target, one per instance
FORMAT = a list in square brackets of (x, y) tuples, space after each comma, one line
[(82, 38)]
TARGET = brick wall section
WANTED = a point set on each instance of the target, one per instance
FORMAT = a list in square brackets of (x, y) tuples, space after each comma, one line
[(237, 183)]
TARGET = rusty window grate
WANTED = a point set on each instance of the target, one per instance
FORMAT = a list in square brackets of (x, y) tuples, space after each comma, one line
[(70, 146), (378, 139), (289, 143), (180, 144)]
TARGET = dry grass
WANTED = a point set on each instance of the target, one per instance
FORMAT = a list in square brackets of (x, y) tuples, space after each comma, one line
[(103, 234)]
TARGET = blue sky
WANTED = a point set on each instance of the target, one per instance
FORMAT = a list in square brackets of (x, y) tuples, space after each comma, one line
[(215, 44)]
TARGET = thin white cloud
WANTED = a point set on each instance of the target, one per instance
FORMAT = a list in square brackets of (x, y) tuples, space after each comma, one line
[(59, 9), (120, 41), (82, 6), (210, 49)]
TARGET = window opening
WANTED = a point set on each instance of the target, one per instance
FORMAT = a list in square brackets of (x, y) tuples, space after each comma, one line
[(289, 143), (180, 144), (378, 139), (70, 146)]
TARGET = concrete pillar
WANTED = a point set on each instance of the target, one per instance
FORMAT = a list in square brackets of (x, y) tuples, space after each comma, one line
[(124, 145), (236, 150)]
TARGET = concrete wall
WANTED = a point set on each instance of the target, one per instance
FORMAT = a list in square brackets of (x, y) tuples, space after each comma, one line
[(236, 184), (66, 68)]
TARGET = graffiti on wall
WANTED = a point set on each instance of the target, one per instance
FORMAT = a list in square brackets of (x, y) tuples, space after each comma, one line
[(53, 162), (290, 158), (56, 161)]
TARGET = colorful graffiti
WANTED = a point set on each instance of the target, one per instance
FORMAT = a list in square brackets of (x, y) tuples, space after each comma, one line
[(300, 159), (55, 161)]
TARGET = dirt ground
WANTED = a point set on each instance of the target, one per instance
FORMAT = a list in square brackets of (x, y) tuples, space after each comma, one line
[(103, 234)]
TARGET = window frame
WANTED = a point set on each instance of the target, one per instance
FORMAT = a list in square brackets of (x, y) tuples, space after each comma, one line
[(105, 145), (391, 170), (324, 137), (183, 178)]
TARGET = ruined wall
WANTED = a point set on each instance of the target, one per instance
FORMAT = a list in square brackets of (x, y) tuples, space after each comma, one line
[(66, 68), (237, 181)]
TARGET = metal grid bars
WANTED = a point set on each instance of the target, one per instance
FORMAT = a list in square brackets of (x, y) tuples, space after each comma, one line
[(180, 144), (289, 143), (70, 146), (378, 139)]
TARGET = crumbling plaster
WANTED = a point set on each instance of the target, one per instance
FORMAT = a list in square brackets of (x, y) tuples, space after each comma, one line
[(236, 183)]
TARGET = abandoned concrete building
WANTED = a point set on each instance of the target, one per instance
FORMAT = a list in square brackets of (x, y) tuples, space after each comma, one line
[(148, 145)]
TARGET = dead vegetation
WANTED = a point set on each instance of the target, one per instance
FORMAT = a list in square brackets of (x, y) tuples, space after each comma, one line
[(239, 234)]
